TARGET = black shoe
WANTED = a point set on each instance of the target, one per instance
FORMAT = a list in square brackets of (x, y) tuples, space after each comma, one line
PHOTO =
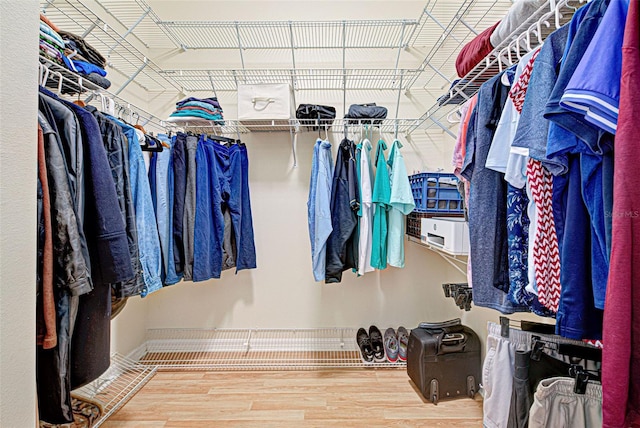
[(376, 343), (365, 345)]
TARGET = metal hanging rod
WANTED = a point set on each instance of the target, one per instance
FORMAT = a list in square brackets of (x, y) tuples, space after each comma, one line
[(386, 126)]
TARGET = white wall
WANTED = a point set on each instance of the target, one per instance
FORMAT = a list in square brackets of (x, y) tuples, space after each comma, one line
[(18, 172), (281, 292)]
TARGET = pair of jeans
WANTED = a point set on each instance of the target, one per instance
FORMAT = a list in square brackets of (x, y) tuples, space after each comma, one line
[(209, 220), (164, 174), (179, 168), (222, 187), (188, 221), (246, 257), (161, 181)]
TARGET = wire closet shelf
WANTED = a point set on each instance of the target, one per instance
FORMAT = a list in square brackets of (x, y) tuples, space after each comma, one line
[(528, 36), (122, 380), (255, 349)]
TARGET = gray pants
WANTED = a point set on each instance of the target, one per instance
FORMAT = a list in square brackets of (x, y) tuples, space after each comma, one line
[(557, 406), (190, 207)]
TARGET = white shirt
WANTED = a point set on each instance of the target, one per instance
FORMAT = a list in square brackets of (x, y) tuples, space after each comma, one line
[(366, 208)]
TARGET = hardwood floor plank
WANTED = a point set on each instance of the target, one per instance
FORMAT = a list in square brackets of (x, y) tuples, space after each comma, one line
[(282, 399)]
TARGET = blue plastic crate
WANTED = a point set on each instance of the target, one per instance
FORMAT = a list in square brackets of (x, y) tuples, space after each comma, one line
[(436, 192)]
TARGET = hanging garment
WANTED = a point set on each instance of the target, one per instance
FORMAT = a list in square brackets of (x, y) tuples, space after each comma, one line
[(161, 185), (380, 198), (108, 247), (487, 204), (533, 129), (148, 240), (209, 220), (401, 204), (243, 224), (570, 133), (342, 251), (222, 185), (546, 255), (179, 166), (621, 361), (556, 404), (67, 128), (594, 92), (188, 225), (365, 213), (319, 206), (46, 335), (577, 316), (115, 143), (164, 209), (460, 148)]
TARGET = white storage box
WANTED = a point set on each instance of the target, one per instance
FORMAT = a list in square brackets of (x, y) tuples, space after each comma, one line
[(268, 101), (450, 234)]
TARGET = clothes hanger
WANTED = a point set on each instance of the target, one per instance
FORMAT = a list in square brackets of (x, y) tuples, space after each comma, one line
[(137, 125)]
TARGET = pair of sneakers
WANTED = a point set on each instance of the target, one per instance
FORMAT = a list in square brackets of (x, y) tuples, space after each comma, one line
[(395, 344), (370, 344), (374, 347)]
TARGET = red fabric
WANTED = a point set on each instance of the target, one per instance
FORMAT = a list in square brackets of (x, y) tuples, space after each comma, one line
[(474, 51), (621, 355), (546, 255), (519, 89)]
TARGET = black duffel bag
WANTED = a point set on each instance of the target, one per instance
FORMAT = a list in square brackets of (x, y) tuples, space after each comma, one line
[(314, 115), (361, 113)]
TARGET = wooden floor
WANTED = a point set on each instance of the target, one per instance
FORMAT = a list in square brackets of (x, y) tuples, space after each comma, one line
[(327, 398)]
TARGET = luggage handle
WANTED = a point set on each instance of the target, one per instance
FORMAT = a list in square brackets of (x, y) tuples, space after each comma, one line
[(266, 100), (452, 342)]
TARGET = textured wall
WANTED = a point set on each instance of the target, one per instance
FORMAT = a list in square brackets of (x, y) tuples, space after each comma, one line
[(18, 134)]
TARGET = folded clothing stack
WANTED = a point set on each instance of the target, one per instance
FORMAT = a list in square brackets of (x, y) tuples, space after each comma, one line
[(51, 44), (198, 110), (72, 52)]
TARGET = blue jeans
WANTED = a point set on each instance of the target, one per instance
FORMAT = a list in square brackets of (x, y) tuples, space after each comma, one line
[(209, 221), (222, 182), (179, 167), (163, 202), (246, 257)]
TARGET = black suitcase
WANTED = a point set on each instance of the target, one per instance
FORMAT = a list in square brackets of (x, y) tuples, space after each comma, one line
[(443, 360)]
